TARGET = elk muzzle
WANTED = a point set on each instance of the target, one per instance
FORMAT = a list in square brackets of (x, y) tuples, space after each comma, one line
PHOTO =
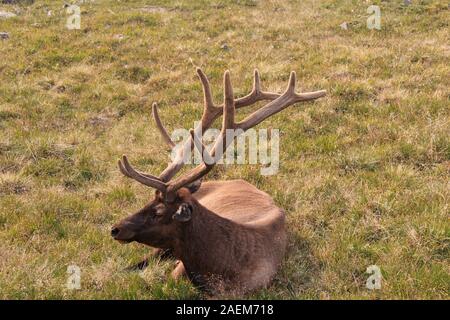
[(122, 233)]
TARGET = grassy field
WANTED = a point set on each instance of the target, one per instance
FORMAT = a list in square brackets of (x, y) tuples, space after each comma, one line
[(364, 175)]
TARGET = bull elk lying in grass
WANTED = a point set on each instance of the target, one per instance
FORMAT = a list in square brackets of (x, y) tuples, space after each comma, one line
[(225, 234)]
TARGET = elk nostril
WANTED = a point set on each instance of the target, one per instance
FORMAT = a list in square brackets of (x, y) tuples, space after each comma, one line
[(115, 232)]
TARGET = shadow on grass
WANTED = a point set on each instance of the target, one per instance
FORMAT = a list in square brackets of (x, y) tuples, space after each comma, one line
[(296, 275)]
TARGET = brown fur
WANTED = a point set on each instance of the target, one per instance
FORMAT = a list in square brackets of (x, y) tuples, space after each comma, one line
[(227, 234), (235, 236)]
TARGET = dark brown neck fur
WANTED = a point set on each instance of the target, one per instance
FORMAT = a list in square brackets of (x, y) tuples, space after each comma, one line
[(212, 245)]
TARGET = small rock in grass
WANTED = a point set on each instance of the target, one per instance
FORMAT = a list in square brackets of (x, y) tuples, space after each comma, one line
[(6, 14), (46, 84), (225, 47), (153, 9), (100, 120), (4, 35), (60, 88)]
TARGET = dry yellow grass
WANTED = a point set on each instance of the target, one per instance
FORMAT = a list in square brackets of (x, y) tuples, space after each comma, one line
[(364, 173)]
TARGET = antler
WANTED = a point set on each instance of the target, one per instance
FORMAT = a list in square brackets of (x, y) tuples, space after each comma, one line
[(147, 179), (210, 113), (288, 98), (227, 123), (160, 126)]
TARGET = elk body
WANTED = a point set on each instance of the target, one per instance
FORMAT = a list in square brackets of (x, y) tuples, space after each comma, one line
[(228, 235)]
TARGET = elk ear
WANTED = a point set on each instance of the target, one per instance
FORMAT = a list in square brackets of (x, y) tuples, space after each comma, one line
[(194, 186), (184, 213)]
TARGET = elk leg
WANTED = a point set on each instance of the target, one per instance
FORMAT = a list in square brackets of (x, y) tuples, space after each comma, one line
[(141, 265), (156, 253), (163, 254), (179, 271), (138, 266)]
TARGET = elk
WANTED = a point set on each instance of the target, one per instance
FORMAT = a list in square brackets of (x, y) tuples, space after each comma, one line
[(224, 234)]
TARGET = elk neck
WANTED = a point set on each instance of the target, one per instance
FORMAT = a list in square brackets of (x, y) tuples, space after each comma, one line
[(210, 242)]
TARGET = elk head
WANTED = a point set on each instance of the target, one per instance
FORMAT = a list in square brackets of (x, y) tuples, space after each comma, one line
[(160, 223)]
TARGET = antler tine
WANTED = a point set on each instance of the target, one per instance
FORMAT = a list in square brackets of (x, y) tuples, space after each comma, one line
[(175, 166), (256, 82), (160, 126), (288, 98), (291, 84), (122, 169), (216, 153), (306, 96), (222, 143), (207, 95), (228, 110), (145, 179), (127, 174), (210, 113), (257, 94)]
